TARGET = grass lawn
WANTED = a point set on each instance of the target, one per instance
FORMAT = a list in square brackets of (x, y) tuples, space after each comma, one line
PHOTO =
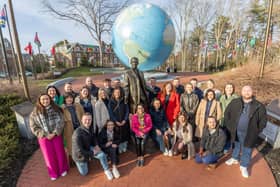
[(78, 72), (43, 83)]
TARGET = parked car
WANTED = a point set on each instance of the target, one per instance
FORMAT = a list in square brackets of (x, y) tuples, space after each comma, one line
[(27, 73)]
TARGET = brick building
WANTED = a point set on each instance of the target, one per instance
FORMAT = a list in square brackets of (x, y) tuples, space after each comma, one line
[(72, 54), (11, 60)]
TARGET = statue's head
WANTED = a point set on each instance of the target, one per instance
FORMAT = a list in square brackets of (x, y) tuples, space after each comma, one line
[(134, 62)]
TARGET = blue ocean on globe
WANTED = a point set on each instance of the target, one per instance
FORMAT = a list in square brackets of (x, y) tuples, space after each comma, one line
[(144, 31)]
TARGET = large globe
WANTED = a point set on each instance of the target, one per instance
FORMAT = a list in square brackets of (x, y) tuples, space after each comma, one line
[(144, 31)]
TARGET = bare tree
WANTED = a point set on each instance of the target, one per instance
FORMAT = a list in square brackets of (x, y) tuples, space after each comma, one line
[(205, 12), (97, 16), (182, 19)]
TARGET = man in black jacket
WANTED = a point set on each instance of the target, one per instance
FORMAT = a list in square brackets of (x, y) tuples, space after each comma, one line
[(92, 87), (178, 87), (212, 144), (85, 148), (245, 118)]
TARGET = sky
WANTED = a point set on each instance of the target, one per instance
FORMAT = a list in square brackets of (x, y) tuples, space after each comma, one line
[(31, 17)]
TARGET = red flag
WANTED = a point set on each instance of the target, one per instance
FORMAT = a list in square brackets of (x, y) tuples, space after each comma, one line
[(53, 50), (28, 48), (36, 40)]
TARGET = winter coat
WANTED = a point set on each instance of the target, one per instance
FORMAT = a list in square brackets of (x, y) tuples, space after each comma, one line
[(257, 120), (42, 125), (101, 116), (103, 138), (82, 140), (135, 124), (92, 100), (68, 127), (200, 121), (213, 143), (153, 94), (199, 93), (173, 107), (93, 90), (109, 91), (159, 119), (187, 137), (189, 104), (118, 112), (180, 89), (224, 100)]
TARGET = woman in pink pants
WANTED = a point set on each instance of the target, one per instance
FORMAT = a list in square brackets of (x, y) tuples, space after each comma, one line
[(46, 122)]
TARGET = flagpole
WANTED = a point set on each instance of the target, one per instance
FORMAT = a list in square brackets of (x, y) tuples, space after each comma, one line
[(266, 39), (13, 49), (41, 63), (5, 59), (18, 51)]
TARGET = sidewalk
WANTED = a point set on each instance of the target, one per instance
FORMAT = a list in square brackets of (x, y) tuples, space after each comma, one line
[(159, 171)]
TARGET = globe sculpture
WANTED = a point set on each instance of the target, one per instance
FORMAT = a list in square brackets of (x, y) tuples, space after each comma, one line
[(144, 31)]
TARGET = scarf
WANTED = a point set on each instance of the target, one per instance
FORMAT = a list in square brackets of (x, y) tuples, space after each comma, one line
[(50, 120)]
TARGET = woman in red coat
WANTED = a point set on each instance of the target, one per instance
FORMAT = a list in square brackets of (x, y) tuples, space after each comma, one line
[(170, 101)]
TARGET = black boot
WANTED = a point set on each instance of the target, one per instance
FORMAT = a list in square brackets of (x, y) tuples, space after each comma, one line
[(183, 156)]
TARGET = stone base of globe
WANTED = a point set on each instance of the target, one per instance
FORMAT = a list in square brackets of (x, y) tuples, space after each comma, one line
[(160, 77)]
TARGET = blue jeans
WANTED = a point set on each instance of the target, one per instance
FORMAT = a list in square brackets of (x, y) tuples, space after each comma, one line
[(83, 166), (246, 155), (208, 159), (158, 139)]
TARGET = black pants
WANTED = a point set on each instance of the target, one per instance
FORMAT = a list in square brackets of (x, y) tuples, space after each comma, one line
[(113, 154), (140, 146)]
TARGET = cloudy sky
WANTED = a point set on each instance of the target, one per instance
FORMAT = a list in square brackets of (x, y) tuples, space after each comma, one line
[(31, 18)]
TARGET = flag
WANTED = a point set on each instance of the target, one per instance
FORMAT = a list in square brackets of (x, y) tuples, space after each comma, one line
[(53, 50), (216, 46), (253, 42), (28, 48), (3, 18), (36, 40)]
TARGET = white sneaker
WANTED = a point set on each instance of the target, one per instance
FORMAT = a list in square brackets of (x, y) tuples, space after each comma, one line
[(231, 161), (116, 173), (53, 179), (108, 174), (64, 174), (170, 153), (124, 149), (165, 152), (244, 172)]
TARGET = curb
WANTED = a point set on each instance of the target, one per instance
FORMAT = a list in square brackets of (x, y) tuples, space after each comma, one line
[(61, 82)]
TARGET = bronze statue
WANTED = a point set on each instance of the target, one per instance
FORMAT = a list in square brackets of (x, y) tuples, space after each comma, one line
[(135, 87)]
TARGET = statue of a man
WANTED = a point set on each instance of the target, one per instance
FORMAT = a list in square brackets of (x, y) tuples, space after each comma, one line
[(135, 87)]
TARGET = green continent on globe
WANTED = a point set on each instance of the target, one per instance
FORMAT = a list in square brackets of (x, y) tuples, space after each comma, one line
[(132, 49)]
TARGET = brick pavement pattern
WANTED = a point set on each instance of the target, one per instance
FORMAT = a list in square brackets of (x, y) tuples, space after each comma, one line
[(159, 171)]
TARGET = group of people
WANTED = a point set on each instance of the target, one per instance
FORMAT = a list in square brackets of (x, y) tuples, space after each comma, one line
[(100, 122)]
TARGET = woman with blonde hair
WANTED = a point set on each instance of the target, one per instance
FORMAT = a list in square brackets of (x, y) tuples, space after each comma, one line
[(101, 111)]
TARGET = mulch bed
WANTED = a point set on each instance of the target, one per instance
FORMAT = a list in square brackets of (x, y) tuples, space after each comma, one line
[(272, 157), (11, 175)]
